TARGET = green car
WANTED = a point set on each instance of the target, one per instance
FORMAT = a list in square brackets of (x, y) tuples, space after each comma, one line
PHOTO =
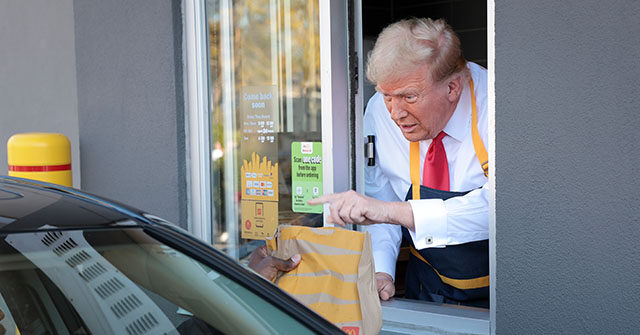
[(74, 263)]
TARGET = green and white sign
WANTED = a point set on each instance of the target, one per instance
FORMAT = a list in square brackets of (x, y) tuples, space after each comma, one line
[(306, 175)]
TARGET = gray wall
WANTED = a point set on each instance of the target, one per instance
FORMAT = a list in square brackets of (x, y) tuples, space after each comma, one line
[(38, 73), (130, 103), (567, 184)]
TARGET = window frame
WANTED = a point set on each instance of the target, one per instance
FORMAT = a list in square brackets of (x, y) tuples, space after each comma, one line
[(197, 123), (335, 92)]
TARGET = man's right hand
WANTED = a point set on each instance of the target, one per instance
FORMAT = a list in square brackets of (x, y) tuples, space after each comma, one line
[(386, 289), (351, 207)]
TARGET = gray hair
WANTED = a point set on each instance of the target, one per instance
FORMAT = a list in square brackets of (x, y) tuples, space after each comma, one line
[(405, 45)]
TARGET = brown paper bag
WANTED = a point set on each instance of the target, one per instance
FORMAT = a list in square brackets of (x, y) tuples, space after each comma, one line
[(335, 277)]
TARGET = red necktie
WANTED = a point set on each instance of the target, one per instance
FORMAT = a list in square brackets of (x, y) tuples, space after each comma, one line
[(436, 169)]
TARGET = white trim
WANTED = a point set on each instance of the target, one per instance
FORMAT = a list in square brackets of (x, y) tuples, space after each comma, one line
[(404, 316), (229, 119), (273, 26), (491, 105), (288, 66), (359, 98), (326, 102), (197, 121), (334, 94), (359, 102)]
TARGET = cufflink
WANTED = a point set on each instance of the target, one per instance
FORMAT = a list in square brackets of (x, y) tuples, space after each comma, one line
[(428, 239)]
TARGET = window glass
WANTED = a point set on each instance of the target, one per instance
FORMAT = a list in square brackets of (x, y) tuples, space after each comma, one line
[(122, 282), (264, 66)]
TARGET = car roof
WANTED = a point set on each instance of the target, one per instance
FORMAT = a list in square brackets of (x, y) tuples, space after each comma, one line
[(28, 205)]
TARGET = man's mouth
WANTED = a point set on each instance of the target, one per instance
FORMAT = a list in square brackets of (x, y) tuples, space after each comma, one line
[(408, 127)]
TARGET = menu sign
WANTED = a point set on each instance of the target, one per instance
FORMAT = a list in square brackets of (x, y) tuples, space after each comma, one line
[(259, 205), (259, 152), (259, 106)]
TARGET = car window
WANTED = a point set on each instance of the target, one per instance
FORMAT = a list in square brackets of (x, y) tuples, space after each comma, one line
[(122, 281)]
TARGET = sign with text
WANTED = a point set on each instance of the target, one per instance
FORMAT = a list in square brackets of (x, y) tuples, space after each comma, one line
[(306, 175), (258, 109), (259, 204), (259, 115)]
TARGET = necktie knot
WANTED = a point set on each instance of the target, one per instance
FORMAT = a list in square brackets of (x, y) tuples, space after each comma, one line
[(437, 139), (436, 168)]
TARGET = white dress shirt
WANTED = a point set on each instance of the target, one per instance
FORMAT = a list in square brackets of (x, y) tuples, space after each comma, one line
[(438, 223)]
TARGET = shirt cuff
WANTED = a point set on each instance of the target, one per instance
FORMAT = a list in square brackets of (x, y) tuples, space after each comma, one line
[(384, 262), (430, 223)]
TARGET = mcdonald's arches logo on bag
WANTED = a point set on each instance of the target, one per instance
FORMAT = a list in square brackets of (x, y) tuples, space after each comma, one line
[(351, 330)]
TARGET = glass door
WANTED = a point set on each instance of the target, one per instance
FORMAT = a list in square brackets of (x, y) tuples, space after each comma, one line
[(270, 127)]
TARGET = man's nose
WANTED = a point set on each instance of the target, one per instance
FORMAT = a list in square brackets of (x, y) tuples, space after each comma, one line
[(396, 109)]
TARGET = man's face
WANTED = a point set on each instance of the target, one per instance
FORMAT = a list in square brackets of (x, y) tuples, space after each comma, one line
[(418, 106)]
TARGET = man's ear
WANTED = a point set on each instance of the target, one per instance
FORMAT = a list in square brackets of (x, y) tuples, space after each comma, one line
[(455, 88)]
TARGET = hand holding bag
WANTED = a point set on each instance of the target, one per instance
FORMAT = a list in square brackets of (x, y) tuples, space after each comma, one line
[(335, 277)]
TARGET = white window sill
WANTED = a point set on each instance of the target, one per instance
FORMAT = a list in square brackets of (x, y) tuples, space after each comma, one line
[(403, 316)]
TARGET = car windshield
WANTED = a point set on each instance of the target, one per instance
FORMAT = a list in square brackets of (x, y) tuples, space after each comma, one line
[(122, 281)]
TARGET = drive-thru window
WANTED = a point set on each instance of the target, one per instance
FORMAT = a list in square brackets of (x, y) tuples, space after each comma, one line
[(276, 95)]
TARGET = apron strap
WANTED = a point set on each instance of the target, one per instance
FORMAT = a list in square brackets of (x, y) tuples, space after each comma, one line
[(463, 284), (481, 152), (414, 165)]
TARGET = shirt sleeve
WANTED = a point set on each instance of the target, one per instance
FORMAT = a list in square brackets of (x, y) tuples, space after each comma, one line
[(453, 221), (385, 238)]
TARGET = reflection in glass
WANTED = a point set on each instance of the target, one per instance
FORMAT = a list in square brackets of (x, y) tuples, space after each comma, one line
[(264, 66), (122, 281)]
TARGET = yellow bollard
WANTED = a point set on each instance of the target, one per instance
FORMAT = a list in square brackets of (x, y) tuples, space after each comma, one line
[(40, 156)]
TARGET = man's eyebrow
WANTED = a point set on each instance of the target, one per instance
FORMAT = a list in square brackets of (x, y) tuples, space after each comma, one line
[(402, 92)]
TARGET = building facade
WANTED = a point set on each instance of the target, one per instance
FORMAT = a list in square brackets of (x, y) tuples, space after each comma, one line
[(159, 100)]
